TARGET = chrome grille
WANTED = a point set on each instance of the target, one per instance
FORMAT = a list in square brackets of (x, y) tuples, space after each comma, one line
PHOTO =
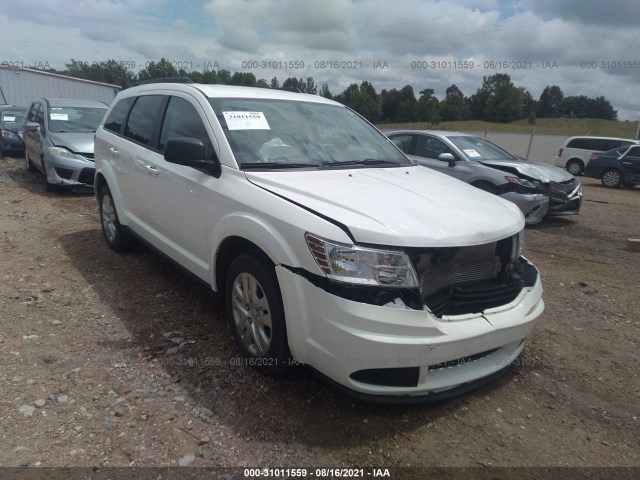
[(455, 272)]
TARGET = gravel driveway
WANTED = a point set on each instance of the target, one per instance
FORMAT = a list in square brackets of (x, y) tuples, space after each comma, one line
[(125, 360)]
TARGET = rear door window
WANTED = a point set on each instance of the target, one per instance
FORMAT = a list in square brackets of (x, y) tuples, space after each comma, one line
[(142, 125)]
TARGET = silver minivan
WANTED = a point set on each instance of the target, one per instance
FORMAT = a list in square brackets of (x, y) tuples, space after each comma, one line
[(58, 139)]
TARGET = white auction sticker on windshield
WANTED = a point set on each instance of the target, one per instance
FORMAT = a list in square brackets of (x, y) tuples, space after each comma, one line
[(472, 153), (59, 116), (246, 121)]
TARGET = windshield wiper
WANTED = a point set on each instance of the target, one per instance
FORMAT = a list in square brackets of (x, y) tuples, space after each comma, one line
[(366, 162), (275, 165)]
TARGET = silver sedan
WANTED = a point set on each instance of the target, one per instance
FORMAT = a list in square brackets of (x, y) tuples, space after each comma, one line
[(538, 189)]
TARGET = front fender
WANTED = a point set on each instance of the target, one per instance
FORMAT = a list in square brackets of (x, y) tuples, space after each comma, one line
[(262, 232)]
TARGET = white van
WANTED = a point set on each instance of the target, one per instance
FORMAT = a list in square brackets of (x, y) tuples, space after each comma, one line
[(329, 246), (575, 151)]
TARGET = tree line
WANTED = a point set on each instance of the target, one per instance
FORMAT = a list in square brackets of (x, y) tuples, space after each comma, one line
[(496, 100)]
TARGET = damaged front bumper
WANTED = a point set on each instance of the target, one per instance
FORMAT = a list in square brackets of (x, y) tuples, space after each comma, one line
[(565, 198), (534, 206), (394, 351)]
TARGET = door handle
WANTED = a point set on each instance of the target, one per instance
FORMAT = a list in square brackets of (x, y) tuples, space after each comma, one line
[(151, 170), (114, 152)]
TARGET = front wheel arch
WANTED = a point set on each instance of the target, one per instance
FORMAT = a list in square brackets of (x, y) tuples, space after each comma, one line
[(252, 291)]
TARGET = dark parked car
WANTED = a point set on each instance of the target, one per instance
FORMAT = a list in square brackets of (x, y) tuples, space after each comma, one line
[(616, 168), (11, 121)]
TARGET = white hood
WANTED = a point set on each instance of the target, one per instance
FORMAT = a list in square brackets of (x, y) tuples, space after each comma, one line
[(408, 206)]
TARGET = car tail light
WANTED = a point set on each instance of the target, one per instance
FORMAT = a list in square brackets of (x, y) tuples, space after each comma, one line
[(560, 152), (594, 157)]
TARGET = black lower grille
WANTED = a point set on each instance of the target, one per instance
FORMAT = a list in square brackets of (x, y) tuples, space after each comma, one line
[(388, 377), (472, 297), (63, 172), (86, 176)]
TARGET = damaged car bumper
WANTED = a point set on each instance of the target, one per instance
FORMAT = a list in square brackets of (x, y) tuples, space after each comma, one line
[(418, 353), (533, 206), (565, 198)]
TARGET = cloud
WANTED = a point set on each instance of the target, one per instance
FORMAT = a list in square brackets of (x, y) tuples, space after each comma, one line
[(612, 12)]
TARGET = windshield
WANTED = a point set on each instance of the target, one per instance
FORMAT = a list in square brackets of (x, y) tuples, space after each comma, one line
[(12, 116), (75, 119), (477, 148), (267, 133)]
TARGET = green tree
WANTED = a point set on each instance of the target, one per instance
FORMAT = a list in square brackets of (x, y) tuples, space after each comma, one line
[(428, 107), (550, 102), (362, 99), (109, 71), (325, 92), (498, 100), (160, 69), (310, 86), (294, 83), (453, 107), (274, 83), (244, 79)]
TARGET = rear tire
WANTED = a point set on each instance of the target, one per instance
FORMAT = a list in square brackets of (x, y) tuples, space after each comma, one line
[(575, 167), (612, 178), (255, 314), (118, 238)]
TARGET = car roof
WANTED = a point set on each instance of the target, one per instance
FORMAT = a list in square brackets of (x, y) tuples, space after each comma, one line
[(227, 91), (602, 138), (73, 102), (435, 133)]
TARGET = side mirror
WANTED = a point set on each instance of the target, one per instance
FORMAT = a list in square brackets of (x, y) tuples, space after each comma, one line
[(447, 157), (190, 152), (32, 126)]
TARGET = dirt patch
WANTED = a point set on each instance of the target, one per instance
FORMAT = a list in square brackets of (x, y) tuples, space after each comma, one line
[(125, 360)]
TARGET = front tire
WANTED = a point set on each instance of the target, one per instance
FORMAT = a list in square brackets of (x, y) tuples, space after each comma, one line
[(575, 167), (118, 238), (255, 314), (612, 178)]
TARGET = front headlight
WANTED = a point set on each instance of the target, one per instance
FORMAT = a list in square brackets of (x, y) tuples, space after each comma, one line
[(520, 181), (362, 266), (8, 134), (61, 152)]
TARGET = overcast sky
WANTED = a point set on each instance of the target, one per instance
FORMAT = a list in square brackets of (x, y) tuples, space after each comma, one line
[(586, 47)]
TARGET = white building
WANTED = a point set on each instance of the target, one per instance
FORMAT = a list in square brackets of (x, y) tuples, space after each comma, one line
[(21, 86)]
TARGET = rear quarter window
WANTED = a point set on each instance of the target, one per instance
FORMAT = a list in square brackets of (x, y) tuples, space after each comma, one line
[(582, 143), (118, 115)]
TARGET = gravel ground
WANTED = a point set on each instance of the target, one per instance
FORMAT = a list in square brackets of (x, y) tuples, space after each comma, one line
[(124, 360)]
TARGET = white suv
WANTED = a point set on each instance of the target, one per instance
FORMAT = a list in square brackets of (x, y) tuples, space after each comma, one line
[(575, 151), (329, 246)]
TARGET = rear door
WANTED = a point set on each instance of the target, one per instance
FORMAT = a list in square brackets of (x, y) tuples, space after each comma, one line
[(181, 200), (631, 165), (32, 138)]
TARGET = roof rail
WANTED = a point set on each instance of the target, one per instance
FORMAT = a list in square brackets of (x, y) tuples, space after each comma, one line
[(162, 80)]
